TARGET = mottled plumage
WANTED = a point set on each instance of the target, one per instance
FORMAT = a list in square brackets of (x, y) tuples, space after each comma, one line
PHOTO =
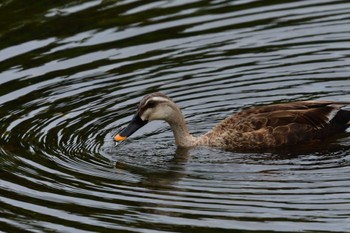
[(257, 128)]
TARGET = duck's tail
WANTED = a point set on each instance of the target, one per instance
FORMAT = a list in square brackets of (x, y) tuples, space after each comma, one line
[(342, 118)]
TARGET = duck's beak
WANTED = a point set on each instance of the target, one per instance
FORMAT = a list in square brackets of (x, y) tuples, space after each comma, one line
[(133, 126)]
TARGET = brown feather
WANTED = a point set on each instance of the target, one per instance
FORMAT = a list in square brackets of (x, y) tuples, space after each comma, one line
[(281, 124)]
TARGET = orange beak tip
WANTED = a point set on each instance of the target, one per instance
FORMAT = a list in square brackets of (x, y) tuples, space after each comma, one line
[(119, 138)]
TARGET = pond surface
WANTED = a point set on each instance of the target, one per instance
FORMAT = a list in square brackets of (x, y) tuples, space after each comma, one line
[(72, 72)]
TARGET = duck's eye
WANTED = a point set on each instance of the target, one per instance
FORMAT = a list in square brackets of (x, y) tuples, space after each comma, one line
[(151, 104)]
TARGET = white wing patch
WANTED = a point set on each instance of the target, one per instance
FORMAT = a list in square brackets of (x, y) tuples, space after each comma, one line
[(332, 113)]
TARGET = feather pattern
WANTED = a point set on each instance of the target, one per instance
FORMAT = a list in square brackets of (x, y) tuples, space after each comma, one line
[(280, 125)]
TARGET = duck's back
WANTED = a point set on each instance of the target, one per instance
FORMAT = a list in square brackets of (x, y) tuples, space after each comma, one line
[(280, 125)]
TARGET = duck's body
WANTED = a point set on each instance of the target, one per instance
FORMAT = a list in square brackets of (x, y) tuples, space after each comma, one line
[(256, 128)]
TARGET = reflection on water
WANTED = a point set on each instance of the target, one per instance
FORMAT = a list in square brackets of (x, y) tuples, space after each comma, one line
[(72, 73)]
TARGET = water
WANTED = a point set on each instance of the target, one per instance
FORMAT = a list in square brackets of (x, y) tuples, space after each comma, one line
[(72, 73)]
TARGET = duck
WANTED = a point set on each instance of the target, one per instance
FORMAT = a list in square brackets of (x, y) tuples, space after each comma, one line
[(255, 128)]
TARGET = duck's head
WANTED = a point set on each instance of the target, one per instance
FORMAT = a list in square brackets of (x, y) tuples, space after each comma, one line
[(155, 106)]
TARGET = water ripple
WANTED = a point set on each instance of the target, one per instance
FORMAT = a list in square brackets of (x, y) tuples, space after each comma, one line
[(72, 74)]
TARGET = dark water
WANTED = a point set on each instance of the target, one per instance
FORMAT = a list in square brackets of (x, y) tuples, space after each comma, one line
[(71, 73)]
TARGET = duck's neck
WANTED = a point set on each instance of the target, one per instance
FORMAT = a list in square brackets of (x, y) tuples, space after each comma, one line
[(182, 136)]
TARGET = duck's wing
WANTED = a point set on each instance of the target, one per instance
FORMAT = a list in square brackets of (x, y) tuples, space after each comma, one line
[(283, 124), (312, 114)]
